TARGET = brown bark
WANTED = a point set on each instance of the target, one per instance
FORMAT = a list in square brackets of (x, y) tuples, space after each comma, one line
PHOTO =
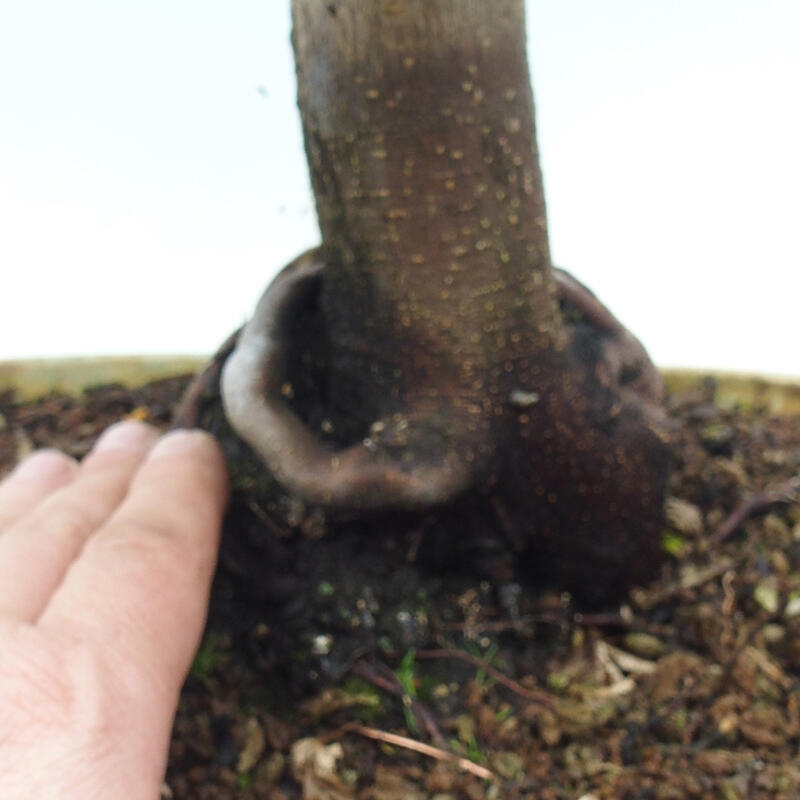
[(429, 336), (418, 122), (438, 299)]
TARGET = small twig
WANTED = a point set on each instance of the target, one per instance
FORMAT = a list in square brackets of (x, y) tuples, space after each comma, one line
[(684, 584), (438, 753), (787, 492), (520, 626), (388, 682), (542, 698), (769, 668), (266, 519), (384, 684)]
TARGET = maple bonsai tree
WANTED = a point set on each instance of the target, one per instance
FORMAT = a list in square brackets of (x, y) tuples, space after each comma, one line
[(427, 358)]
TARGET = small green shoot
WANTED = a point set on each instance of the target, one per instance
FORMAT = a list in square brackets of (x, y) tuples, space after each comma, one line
[(408, 682), (673, 544), (482, 679)]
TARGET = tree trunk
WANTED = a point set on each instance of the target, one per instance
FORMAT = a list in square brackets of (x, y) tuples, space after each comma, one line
[(428, 348), (418, 122)]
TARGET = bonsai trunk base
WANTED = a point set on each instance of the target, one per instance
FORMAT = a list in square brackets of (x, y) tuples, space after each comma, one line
[(579, 512)]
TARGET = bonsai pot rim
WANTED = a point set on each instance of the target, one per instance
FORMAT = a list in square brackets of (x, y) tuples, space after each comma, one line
[(36, 377)]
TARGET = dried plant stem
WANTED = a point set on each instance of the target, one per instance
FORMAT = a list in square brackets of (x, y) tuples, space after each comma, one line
[(395, 739)]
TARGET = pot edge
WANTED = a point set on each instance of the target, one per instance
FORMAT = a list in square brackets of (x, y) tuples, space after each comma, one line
[(35, 377)]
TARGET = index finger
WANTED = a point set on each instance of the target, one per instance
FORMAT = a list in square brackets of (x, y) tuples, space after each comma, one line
[(140, 587)]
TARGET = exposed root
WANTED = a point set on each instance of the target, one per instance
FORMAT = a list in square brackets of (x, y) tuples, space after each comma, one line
[(786, 492), (188, 412), (368, 475), (625, 363), (361, 476)]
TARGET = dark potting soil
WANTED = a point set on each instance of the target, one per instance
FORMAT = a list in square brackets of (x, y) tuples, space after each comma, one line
[(342, 675)]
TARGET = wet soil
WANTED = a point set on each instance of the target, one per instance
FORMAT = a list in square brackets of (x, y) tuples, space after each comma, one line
[(341, 667)]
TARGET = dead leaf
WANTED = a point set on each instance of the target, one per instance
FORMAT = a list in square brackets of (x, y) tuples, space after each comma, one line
[(314, 767)]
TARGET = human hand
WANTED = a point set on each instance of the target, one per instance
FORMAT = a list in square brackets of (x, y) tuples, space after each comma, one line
[(105, 570)]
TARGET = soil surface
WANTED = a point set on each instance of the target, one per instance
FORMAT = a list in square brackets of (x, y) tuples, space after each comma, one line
[(330, 675)]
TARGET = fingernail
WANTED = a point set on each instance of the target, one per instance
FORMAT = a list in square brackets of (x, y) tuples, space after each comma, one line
[(180, 441), (44, 465), (126, 435)]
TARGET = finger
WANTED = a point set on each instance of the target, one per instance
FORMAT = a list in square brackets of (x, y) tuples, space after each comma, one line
[(142, 583), (37, 476), (37, 550)]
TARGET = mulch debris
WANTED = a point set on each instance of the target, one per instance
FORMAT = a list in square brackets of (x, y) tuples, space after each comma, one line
[(690, 689)]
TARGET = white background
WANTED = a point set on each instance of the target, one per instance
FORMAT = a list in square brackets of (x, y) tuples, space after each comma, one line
[(152, 177)]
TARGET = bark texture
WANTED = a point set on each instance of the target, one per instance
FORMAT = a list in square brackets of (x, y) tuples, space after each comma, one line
[(428, 348), (438, 298), (418, 123)]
